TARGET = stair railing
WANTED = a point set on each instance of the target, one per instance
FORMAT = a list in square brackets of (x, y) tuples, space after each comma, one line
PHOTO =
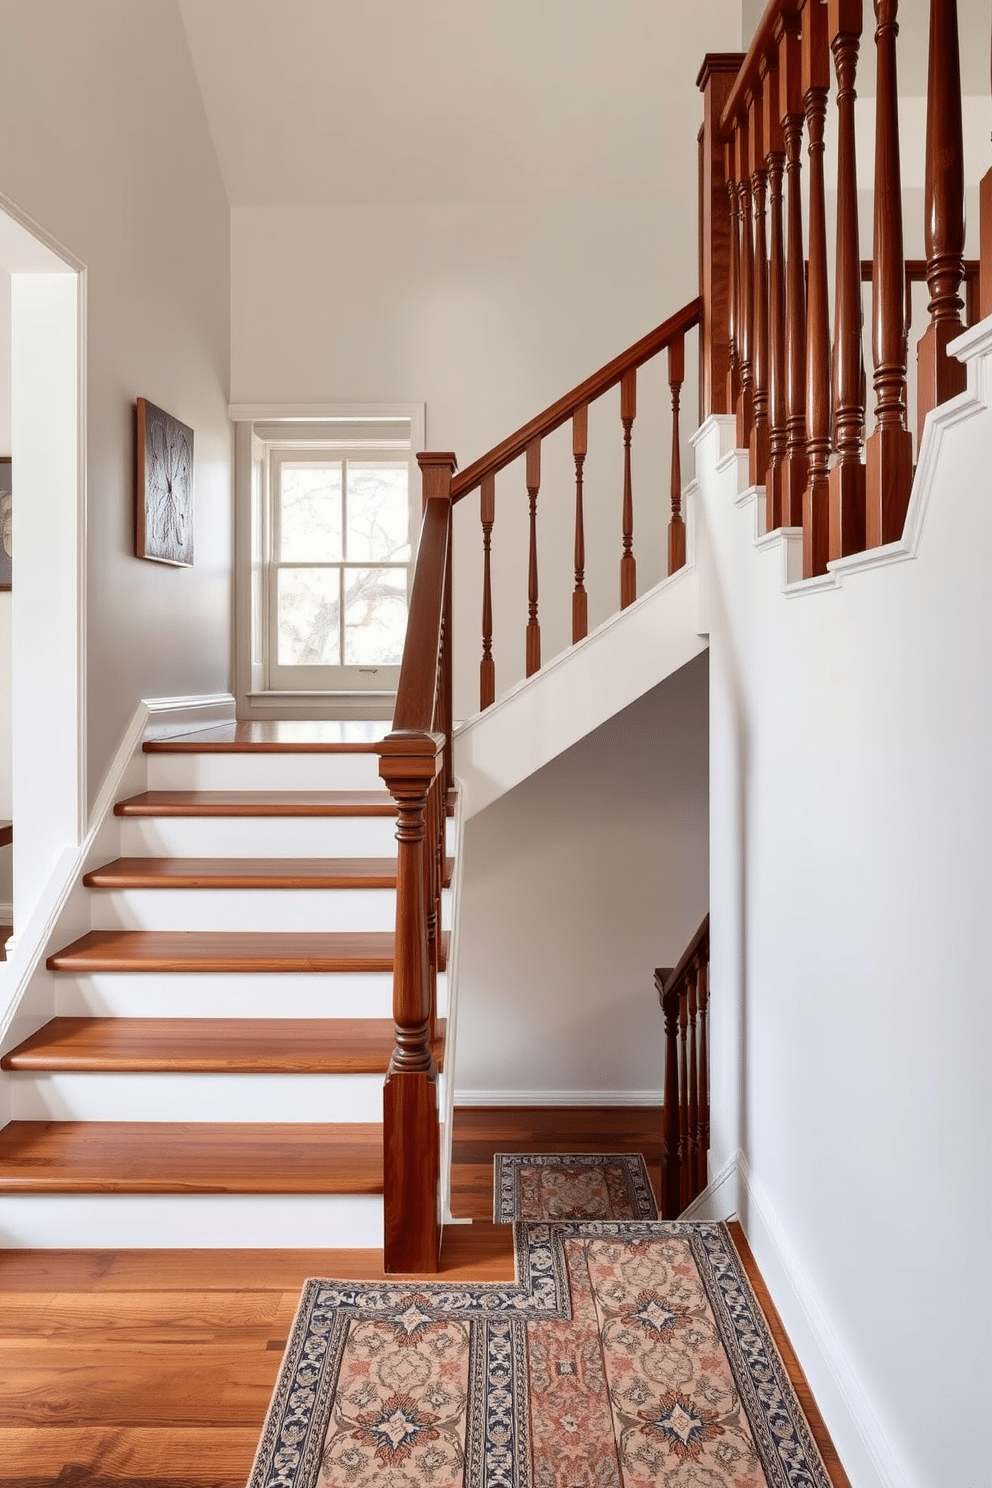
[(415, 757), (684, 996), (794, 378)]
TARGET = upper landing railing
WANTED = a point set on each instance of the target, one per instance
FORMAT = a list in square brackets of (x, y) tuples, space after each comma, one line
[(777, 352), (774, 351)]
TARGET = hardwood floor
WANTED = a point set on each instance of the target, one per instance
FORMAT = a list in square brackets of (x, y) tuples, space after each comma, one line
[(153, 1369)]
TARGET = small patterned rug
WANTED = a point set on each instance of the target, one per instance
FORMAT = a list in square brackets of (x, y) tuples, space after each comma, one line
[(626, 1355), (572, 1185)]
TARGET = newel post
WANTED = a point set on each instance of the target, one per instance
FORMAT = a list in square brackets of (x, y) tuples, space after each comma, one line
[(715, 80)]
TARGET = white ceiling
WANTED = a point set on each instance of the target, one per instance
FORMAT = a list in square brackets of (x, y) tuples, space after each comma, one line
[(331, 101)]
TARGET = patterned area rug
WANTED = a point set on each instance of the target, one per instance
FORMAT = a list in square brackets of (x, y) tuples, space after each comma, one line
[(573, 1185), (626, 1355)]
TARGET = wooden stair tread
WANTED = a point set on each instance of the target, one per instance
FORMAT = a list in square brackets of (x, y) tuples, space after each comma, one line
[(258, 803), (212, 1045), (188, 1157), (237, 951), (277, 736), (248, 873)]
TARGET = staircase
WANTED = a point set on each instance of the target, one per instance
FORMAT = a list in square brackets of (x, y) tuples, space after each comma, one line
[(214, 1073)]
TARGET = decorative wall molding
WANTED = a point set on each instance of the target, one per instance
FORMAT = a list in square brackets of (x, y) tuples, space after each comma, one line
[(167, 716), (718, 1199)]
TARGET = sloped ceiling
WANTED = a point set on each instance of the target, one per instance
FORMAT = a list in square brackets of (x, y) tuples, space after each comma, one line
[(330, 101)]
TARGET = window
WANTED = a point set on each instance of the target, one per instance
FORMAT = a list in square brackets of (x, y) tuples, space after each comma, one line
[(339, 503)]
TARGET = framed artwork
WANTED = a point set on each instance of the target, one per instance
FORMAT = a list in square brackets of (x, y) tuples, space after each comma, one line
[(164, 506), (6, 508)]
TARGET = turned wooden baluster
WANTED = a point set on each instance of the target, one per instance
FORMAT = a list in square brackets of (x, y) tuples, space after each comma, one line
[(703, 1144), (676, 526), (683, 1099), (816, 82), (758, 449), (985, 235), (889, 467), (487, 669), (671, 1178), (745, 397), (580, 601), (533, 625), (628, 412), (775, 159), (939, 376), (734, 301), (795, 464), (692, 1146), (718, 352), (847, 478)]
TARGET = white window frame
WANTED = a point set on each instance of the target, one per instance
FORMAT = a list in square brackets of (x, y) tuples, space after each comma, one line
[(263, 434)]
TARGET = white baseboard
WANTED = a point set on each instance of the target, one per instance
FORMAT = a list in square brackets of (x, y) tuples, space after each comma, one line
[(167, 716), (559, 1098), (843, 1398), (719, 1199)]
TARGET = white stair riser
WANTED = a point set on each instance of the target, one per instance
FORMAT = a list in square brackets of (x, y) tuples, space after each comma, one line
[(191, 1221), (259, 836), (299, 911), (367, 994), (130, 1096), (268, 772)]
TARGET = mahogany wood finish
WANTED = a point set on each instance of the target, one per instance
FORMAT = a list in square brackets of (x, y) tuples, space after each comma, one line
[(188, 1157), (628, 412), (676, 524), (487, 668), (734, 312), (6, 833), (211, 1045), (759, 442), (415, 763), (227, 951), (745, 398), (775, 160), (718, 245), (276, 736), (257, 803), (847, 477), (683, 994), (580, 448), (939, 376), (889, 471), (533, 622), (815, 83), (247, 873), (795, 465)]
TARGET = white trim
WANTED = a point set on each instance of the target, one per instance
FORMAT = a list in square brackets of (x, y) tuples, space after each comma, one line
[(416, 413), (182, 715), (838, 1389), (559, 1098), (451, 1029), (719, 1199)]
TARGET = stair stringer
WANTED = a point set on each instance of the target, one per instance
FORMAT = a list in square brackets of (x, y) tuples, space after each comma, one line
[(578, 690)]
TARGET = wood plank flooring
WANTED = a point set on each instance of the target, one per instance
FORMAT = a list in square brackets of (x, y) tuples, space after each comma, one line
[(153, 1369)]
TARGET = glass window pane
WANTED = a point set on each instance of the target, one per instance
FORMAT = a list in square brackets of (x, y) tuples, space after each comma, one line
[(378, 511), (374, 616), (309, 612), (310, 513)]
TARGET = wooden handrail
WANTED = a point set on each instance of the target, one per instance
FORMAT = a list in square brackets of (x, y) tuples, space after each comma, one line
[(418, 671), (594, 387), (671, 978), (749, 78)]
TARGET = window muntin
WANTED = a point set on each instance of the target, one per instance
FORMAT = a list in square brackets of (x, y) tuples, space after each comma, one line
[(339, 573)]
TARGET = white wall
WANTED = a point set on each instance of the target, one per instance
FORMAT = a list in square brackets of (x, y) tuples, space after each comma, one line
[(6, 788), (851, 816), (103, 141), (488, 298), (577, 884)]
